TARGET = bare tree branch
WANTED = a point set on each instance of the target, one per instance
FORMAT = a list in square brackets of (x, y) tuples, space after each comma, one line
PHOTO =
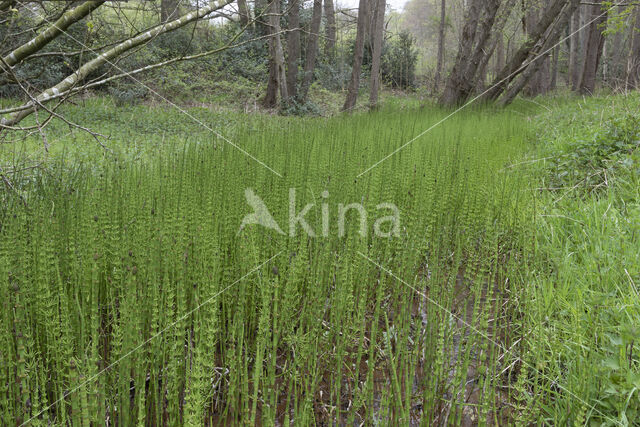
[(81, 73), (53, 31)]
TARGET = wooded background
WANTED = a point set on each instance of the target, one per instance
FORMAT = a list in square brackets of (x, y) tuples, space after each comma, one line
[(454, 51)]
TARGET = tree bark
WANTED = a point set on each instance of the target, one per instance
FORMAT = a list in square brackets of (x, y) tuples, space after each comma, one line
[(109, 55), (464, 77), (54, 30), (593, 51), (451, 94), (354, 83), (377, 52), (277, 73), (530, 19), (539, 82), (312, 51), (515, 64), (293, 47), (243, 11), (500, 55), (330, 30), (539, 54), (495, 44), (574, 50), (633, 64), (553, 85), (441, 36)]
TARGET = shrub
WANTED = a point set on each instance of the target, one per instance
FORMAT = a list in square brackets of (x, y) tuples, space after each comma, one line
[(587, 163), (399, 62)]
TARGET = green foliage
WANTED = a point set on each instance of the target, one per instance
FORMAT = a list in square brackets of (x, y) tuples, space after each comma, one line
[(133, 261), (590, 162), (618, 18), (249, 60), (127, 93), (582, 305), (334, 76), (399, 62), (42, 72), (295, 108)]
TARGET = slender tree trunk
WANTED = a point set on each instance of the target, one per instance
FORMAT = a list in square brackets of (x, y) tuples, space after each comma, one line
[(605, 60), (277, 73), (544, 84), (293, 47), (441, 36), (169, 10), (465, 46), (515, 64), (377, 52), (530, 20), (472, 64), (500, 55), (243, 10), (354, 84), (538, 55), (312, 51), (633, 64), (574, 50), (593, 51), (554, 69), (619, 53), (495, 44), (539, 83), (330, 30)]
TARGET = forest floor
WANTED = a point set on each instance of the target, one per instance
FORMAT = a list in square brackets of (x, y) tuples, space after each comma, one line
[(484, 270)]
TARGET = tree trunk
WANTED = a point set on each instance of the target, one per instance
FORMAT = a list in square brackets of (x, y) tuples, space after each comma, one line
[(293, 47), (539, 84), (500, 55), (243, 10), (312, 51), (593, 51), (441, 35), (495, 44), (354, 84), (277, 73), (530, 20), (539, 54), (466, 73), (452, 88), (54, 30), (515, 64), (554, 69), (633, 64), (330, 30), (574, 50), (109, 56), (377, 52), (169, 10), (619, 53), (605, 61)]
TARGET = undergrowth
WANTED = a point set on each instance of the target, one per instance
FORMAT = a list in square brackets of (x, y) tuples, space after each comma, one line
[(509, 295), (129, 294), (583, 301)]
